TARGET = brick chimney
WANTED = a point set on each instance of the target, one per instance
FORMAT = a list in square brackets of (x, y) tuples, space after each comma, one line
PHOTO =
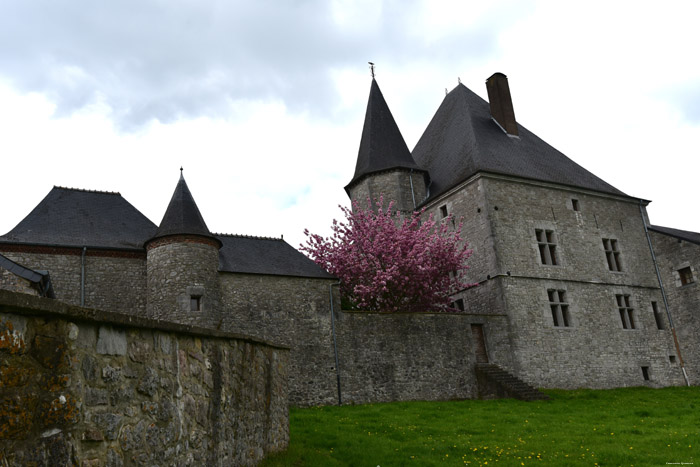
[(501, 103)]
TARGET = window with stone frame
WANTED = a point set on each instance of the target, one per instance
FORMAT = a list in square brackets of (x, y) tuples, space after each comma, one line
[(459, 304), (195, 303), (658, 317), (626, 311), (443, 211), (547, 245), (612, 254), (559, 307), (686, 275)]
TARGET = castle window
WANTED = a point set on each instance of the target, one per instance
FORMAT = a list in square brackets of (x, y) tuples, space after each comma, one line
[(559, 307), (672, 358), (645, 373), (546, 242), (443, 211), (626, 311), (459, 304), (575, 205), (612, 254), (658, 317), (195, 303), (686, 276)]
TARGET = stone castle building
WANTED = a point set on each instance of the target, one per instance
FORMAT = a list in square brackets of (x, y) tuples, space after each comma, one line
[(575, 287)]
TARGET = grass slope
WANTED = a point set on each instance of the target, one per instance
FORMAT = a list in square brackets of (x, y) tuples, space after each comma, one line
[(631, 426)]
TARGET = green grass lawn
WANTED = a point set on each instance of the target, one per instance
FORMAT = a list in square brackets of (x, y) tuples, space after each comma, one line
[(632, 426)]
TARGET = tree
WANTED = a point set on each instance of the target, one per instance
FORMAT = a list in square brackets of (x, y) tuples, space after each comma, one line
[(386, 263)]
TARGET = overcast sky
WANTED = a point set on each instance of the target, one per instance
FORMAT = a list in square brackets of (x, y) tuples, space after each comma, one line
[(262, 102)]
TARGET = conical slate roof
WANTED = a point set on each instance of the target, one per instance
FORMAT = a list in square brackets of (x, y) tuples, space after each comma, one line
[(382, 147), (182, 216), (462, 139)]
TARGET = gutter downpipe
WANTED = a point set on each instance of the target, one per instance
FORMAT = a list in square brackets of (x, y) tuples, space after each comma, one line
[(663, 295), (335, 343), (82, 276), (413, 194)]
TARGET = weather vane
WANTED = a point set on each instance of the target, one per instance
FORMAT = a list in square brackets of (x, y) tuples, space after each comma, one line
[(371, 68)]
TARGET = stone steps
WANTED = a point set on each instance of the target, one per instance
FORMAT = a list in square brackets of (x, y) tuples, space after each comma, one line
[(495, 381)]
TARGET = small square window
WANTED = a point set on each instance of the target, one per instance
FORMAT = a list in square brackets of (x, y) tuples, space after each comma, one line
[(672, 358), (195, 303), (686, 276), (575, 205), (443, 211), (459, 304)]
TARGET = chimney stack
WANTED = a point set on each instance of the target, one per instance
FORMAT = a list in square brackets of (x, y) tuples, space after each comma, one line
[(501, 103)]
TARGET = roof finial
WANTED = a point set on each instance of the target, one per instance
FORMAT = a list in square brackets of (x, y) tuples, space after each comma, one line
[(459, 80), (371, 68), (445, 91), (181, 176)]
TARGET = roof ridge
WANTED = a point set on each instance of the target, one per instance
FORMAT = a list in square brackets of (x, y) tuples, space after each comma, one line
[(258, 237), (85, 190)]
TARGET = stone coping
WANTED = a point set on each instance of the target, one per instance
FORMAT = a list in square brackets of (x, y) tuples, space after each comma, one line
[(19, 303)]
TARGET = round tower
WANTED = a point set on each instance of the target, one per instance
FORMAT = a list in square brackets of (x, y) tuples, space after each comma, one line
[(385, 166), (182, 262)]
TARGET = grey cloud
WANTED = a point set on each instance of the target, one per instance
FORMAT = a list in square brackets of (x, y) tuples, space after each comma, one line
[(167, 60)]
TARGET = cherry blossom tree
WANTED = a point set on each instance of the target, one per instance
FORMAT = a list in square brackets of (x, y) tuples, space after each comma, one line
[(389, 263)]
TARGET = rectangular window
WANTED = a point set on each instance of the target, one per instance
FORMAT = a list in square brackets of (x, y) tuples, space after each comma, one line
[(626, 311), (645, 373), (559, 308), (575, 205), (686, 276), (459, 304), (546, 242), (195, 303), (612, 254), (658, 317), (443, 211)]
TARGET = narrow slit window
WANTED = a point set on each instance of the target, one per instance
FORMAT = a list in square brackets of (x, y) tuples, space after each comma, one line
[(658, 317), (612, 254), (575, 205), (443, 211), (559, 308), (547, 245), (626, 311), (645, 373)]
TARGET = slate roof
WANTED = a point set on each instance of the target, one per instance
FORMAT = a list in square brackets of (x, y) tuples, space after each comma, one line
[(382, 147), (272, 256), (77, 218), (686, 235), (462, 140), (182, 217)]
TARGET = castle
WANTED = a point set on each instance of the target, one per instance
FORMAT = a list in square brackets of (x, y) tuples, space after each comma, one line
[(575, 287)]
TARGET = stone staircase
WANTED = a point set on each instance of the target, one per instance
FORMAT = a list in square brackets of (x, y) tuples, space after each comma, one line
[(495, 382)]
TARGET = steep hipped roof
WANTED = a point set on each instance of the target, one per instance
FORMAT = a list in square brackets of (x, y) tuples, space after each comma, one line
[(382, 147), (462, 139), (688, 236), (77, 218), (272, 256), (182, 216)]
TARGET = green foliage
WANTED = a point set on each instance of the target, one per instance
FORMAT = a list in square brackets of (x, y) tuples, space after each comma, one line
[(631, 426)]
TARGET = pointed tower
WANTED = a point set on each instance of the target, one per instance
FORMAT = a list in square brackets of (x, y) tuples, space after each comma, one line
[(384, 163), (182, 265)]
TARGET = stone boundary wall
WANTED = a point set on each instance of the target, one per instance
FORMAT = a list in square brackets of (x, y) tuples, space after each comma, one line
[(91, 388)]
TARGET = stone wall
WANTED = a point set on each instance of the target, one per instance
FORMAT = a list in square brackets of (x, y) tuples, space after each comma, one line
[(114, 280), (84, 387), (406, 188), (672, 255)]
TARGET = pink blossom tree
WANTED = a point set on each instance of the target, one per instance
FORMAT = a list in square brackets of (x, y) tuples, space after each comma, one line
[(387, 263)]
